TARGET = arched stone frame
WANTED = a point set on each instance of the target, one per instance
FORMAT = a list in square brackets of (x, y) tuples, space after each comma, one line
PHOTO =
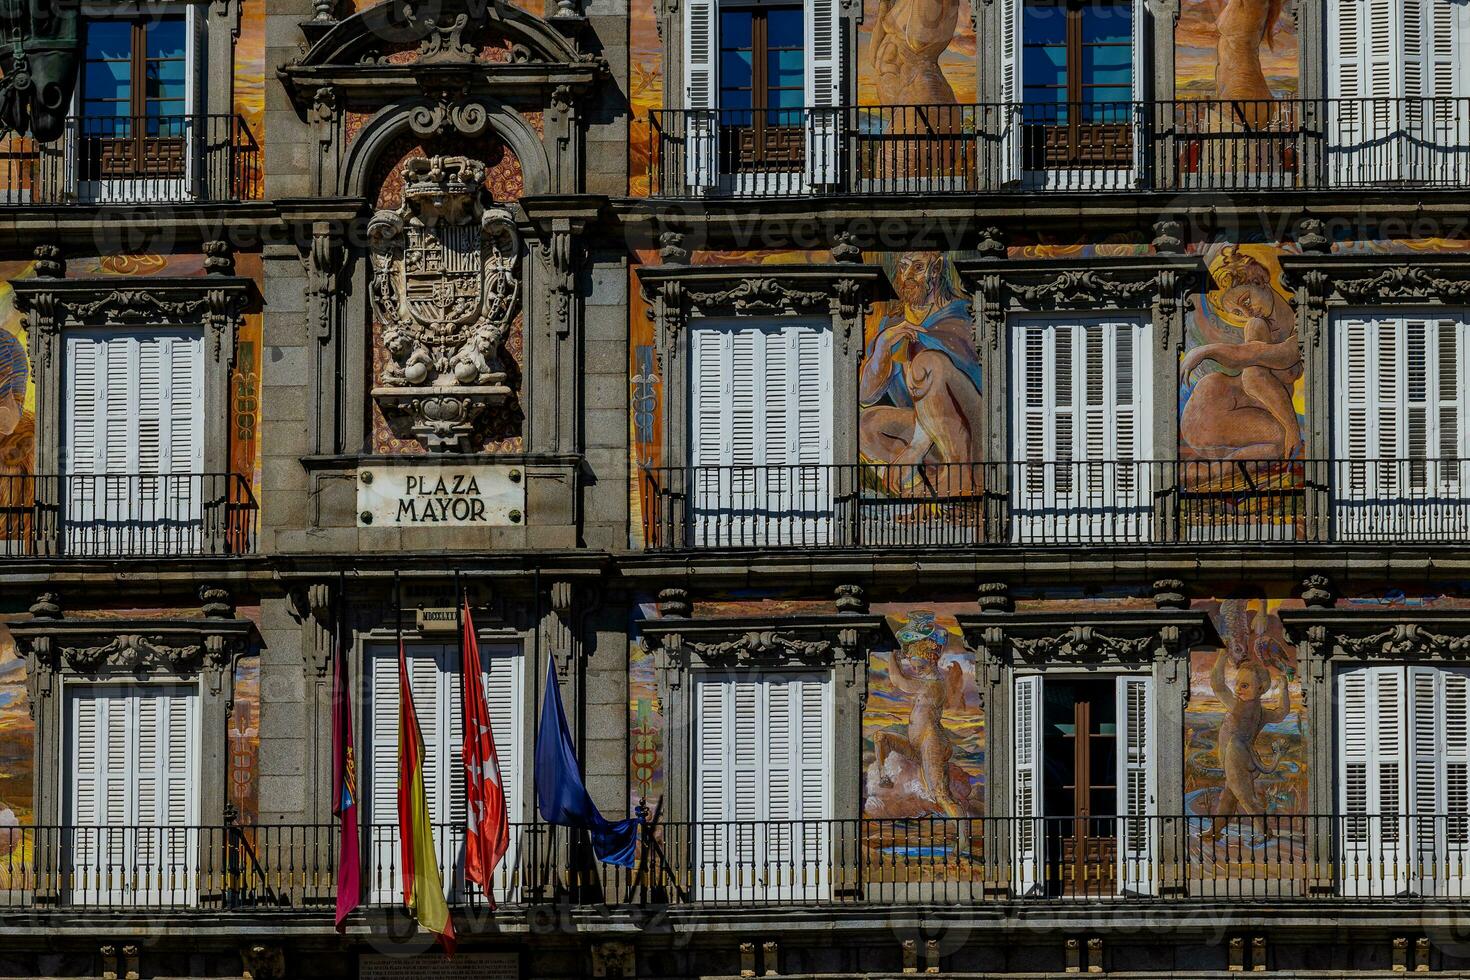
[(200, 652), (838, 293), (1156, 642), (445, 88), (1159, 288), (1326, 283)]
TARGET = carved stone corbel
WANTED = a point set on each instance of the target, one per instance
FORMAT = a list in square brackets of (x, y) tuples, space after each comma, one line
[(313, 608), (561, 640), (323, 264)]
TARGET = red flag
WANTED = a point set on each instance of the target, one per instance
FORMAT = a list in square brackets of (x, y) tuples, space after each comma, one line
[(488, 824), (344, 790)]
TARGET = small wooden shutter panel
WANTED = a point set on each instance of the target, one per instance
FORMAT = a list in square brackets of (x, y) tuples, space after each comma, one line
[(1010, 122), (1136, 792), (701, 83), (823, 90), (1026, 751), (1141, 107)]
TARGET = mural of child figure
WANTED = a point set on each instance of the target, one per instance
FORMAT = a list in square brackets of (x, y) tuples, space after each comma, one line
[(927, 744), (1246, 716)]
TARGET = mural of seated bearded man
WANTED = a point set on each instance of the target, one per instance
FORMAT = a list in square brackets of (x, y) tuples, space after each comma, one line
[(1244, 410), (920, 386)]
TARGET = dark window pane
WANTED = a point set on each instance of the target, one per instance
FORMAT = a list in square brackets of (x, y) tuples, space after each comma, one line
[(784, 69), (166, 37), (735, 28), (1107, 22), (735, 69), (1044, 66), (784, 27), (1044, 22), (109, 39)]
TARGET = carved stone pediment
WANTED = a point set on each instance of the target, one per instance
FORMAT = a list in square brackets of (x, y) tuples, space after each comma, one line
[(1092, 640), (135, 647), (446, 289), (810, 642), (1351, 279), (1382, 633)]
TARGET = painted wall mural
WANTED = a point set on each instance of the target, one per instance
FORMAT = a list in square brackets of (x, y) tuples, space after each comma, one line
[(923, 729), (1242, 394), (17, 737), (920, 383), (1236, 49), (17, 391), (1245, 735)]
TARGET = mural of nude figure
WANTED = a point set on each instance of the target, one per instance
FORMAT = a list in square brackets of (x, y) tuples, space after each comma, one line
[(920, 385), (908, 38), (1244, 408), (1246, 716), (1244, 26), (925, 742)]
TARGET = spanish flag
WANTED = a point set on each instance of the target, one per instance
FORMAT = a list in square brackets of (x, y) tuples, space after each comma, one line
[(423, 889)]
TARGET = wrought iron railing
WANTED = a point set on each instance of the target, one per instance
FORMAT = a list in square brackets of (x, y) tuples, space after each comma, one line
[(1046, 503), (1197, 144), (883, 862), (134, 160), (127, 515)]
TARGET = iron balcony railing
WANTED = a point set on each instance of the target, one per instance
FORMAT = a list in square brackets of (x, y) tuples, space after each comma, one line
[(134, 160), (882, 862), (1054, 503), (1185, 145), (127, 515)]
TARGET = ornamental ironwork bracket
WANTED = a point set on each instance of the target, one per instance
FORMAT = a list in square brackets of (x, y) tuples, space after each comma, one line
[(839, 641)]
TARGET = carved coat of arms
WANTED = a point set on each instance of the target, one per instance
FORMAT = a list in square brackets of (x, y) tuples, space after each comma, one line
[(445, 289)]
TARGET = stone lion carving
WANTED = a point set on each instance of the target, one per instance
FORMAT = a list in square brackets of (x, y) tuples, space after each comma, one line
[(446, 290)]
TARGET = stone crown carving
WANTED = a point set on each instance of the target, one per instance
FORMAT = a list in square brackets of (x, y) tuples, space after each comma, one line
[(1370, 633), (446, 288)]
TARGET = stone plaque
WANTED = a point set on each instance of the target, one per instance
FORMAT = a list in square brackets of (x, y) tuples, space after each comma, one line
[(434, 495), (426, 966)]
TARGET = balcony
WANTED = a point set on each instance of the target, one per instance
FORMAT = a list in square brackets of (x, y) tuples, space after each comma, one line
[(1018, 148), (855, 863), (125, 160), (1056, 503), (127, 515)]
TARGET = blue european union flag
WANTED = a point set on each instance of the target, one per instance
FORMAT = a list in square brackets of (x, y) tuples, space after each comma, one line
[(560, 793)]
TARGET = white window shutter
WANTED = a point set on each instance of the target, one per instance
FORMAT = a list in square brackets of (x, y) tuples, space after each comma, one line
[(1136, 794), (1371, 795), (504, 668), (1141, 106), (1011, 124), (1030, 830), (823, 90), (701, 87)]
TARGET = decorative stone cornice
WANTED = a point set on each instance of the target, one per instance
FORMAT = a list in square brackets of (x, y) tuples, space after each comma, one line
[(809, 642), (1097, 639), (51, 305), (1162, 284), (1352, 279), (677, 293), (137, 647), (1370, 632)]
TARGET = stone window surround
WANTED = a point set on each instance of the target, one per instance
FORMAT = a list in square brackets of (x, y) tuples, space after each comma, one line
[(53, 305), (1326, 283), (676, 294), (1160, 287), (836, 643), (203, 652)]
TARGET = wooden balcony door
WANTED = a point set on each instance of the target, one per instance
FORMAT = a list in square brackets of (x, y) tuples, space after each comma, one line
[(762, 87), (1084, 785), (134, 101)]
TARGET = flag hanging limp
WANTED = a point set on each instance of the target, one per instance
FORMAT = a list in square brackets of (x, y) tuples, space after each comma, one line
[(423, 889)]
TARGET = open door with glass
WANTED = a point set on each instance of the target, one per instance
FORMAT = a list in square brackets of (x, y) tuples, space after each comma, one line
[(1085, 799)]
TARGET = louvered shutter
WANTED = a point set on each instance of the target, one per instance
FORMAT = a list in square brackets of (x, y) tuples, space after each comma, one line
[(504, 683), (1030, 836), (1454, 791), (89, 778), (1371, 716), (761, 432), (382, 790), (1136, 794), (823, 90), (1010, 121), (1083, 417), (701, 85), (712, 783)]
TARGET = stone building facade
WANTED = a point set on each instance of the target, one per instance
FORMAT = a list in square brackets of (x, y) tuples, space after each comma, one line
[(988, 481)]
